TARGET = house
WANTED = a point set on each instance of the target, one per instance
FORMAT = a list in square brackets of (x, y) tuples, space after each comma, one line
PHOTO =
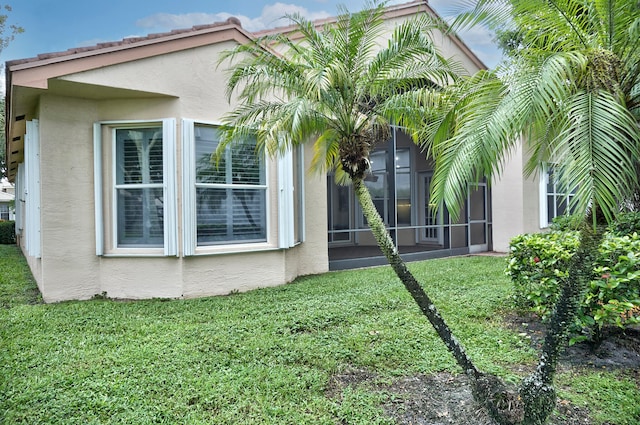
[(109, 148), (6, 200)]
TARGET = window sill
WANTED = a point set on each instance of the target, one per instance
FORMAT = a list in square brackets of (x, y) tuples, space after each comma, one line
[(136, 252), (234, 249)]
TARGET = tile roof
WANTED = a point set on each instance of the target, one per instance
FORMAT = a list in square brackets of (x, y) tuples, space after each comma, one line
[(125, 42)]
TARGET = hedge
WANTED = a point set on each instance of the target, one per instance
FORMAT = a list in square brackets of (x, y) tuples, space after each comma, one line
[(538, 264), (7, 232)]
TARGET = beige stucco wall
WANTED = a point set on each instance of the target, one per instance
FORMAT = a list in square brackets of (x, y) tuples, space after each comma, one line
[(186, 84), (515, 201), (189, 86), (66, 207)]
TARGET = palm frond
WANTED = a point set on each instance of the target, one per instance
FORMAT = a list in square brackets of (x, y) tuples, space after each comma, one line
[(596, 150), (326, 152)]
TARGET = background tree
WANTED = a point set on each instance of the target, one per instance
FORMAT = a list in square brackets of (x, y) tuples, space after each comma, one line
[(339, 89), (7, 34), (570, 89)]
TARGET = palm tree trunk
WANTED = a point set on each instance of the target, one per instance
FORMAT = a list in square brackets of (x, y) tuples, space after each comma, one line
[(502, 403), (427, 307), (537, 392), (536, 397)]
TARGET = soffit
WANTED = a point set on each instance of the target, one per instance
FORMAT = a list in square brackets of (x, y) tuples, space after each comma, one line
[(25, 103)]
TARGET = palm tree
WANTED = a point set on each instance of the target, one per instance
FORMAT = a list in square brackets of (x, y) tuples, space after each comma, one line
[(339, 89), (570, 88)]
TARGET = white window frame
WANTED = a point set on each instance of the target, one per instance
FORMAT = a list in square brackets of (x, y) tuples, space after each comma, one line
[(190, 245), (4, 212), (544, 196), (170, 207)]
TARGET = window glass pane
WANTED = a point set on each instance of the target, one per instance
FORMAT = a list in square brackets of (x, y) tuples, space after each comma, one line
[(403, 187), (551, 208), (378, 160), (239, 165), (339, 207), (561, 205), (477, 200), (246, 164), (139, 156), (376, 181), (557, 196), (140, 217), (550, 180), (403, 159), (227, 215), (207, 171)]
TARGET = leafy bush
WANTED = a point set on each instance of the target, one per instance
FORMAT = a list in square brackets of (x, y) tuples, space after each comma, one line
[(7, 232), (613, 297), (566, 222), (626, 223), (538, 265)]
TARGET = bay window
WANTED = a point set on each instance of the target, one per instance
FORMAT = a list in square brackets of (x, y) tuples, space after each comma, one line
[(230, 191), (135, 190), (225, 196), (139, 187)]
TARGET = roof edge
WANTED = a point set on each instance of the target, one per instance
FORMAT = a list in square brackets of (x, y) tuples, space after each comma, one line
[(125, 44), (396, 10)]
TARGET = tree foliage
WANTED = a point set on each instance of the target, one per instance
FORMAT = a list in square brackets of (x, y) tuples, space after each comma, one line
[(7, 34), (570, 87), (338, 88), (570, 91), (7, 31)]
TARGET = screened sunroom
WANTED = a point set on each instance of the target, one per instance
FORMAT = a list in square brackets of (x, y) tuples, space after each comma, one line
[(399, 184)]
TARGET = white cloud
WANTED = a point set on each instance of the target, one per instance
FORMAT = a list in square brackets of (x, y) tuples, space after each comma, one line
[(271, 16), (479, 39)]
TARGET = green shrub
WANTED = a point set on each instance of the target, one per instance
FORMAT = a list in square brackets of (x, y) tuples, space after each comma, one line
[(7, 232), (626, 223), (539, 263), (566, 222), (613, 297)]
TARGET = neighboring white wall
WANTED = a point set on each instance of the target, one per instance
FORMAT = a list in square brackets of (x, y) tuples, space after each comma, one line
[(507, 203)]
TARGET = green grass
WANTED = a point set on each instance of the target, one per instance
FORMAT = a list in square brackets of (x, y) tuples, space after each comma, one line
[(17, 286), (263, 357)]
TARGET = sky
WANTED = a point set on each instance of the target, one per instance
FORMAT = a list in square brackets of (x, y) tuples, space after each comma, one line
[(58, 25)]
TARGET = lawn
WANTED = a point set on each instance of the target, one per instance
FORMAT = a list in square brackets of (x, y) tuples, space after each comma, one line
[(266, 356)]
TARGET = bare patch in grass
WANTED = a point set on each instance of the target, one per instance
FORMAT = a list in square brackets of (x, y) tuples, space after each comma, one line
[(446, 399), (437, 399)]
